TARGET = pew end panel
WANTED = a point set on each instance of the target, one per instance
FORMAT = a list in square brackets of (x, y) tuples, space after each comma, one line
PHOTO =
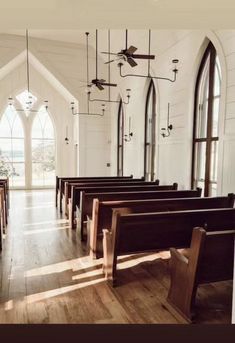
[(210, 259)]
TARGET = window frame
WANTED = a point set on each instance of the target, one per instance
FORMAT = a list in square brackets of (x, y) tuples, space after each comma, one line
[(120, 142), (210, 53), (152, 144)]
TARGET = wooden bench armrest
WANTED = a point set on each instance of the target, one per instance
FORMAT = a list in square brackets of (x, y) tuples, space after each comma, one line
[(178, 256)]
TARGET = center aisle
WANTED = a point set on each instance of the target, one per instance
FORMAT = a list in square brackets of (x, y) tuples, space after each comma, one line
[(47, 277)]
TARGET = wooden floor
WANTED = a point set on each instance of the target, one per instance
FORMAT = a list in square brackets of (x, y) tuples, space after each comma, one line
[(47, 277)]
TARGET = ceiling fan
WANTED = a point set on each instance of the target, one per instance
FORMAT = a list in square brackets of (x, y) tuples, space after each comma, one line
[(99, 83), (128, 54)]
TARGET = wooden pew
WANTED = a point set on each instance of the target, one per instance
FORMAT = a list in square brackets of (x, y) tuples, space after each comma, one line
[(209, 259), (78, 198), (62, 181), (4, 184), (145, 232), (109, 183), (102, 213)]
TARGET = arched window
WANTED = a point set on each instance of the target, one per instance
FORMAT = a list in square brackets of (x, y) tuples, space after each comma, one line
[(120, 139), (150, 132), (43, 150), (12, 153), (206, 120)]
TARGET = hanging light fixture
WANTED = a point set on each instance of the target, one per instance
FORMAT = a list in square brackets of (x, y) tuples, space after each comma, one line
[(174, 62), (72, 104), (109, 77), (169, 126), (26, 98)]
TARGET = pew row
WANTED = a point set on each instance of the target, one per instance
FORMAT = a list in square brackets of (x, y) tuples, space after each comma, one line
[(109, 183), (4, 207), (102, 213), (210, 258), (146, 232), (79, 199), (61, 183)]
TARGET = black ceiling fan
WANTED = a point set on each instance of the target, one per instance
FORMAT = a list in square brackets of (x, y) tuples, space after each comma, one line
[(128, 54), (99, 83)]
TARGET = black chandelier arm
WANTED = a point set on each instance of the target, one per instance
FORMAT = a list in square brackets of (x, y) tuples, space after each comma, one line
[(87, 113), (108, 100), (147, 76)]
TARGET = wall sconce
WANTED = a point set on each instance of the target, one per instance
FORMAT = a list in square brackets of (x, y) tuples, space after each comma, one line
[(66, 137), (128, 137), (169, 126)]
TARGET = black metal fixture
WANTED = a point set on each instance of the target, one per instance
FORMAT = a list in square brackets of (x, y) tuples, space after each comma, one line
[(109, 77), (29, 103), (74, 111), (128, 137), (66, 136), (168, 127), (174, 61)]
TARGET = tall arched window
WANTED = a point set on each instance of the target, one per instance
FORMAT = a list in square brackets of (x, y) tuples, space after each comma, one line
[(12, 153), (43, 150), (206, 120), (120, 139), (150, 132)]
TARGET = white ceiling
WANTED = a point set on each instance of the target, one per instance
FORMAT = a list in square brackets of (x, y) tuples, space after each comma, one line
[(117, 14)]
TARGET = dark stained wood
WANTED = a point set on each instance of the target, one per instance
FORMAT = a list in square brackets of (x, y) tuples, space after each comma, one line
[(86, 203), (60, 183), (109, 183), (209, 259), (102, 213), (142, 232), (78, 199)]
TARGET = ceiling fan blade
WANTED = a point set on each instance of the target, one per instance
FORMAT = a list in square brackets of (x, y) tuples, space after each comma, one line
[(109, 62), (131, 62), (98, 85), (144, 57), (109, 84), (131, 50), (101, 81), (108, 53)]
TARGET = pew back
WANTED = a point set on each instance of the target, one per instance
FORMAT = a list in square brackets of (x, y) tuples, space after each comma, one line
[(141, 232), (102, 212)]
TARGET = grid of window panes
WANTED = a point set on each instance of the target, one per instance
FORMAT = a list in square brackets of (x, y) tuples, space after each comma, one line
[(12, 154), (43, 150), (201, 137)]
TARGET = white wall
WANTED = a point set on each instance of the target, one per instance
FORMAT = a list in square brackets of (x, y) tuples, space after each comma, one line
[(174, 154)]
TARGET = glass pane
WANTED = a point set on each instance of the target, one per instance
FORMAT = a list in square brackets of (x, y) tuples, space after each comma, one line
[(214, 161), (202, 102), (18, 174), (5, 149), (215, 121), (17, 131), (18, 150), (200, 164), (5, 128), (37, 173), (43, 150), (217, 78), (213, 189)]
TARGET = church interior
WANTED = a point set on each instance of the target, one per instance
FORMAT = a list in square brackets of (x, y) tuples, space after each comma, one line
[(117, 181)]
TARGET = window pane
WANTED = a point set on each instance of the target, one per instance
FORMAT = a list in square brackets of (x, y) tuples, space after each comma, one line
[(17, 150), (200, 164), (12, 147), (215, 121), (202, 103), (214, 161), (18, 174), (217, 78), (43, 150)]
